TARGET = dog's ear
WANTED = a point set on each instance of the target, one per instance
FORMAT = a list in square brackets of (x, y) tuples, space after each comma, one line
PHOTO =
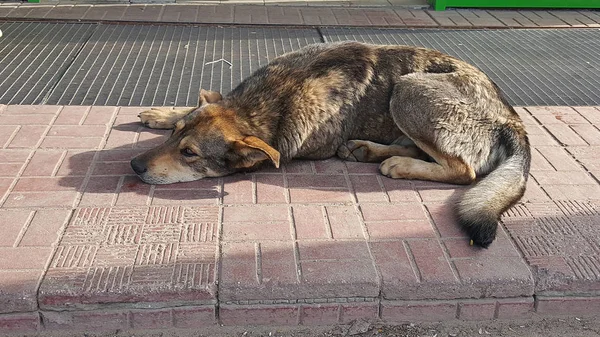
[(208, 97), (254, 150)]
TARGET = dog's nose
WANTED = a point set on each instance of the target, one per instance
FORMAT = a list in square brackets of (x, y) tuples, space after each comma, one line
[(138, 166)]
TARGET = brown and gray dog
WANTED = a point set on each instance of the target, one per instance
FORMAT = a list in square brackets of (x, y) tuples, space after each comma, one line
[(424, 114)]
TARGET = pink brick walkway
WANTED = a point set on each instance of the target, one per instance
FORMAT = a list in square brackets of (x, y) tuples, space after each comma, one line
[(86, 245), (315, 13)]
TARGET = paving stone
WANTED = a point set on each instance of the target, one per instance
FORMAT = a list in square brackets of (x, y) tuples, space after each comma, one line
[(238, 189), (318, 189), (151, 319), (368, 189), (477, 310), (406, 311), (350, 17), (269, 315), (318, 16), (182, 13), (330, 166), (447, 226), (512, 18), (13, 223), (544, 18), (576, 18), (243, 276), (560, 159), (85, 320), (320, 314), (567, 306), (28, 322), (143, 13), (194, 317), (110, 13), (586, 156), (519, 308), (372, 212), (28, 136), (68, 12), (351, 312), (22, 258), (560, 245), (590, 113), (6, 134), (282, 15), (415, 18), (19, 291), (45, 228), (383, 17), (41, 199), (496, 277), (588, 132), (311, 222), (344, 222), (450, 18), (400, 190), (310, 232), (270, 188), (114, 255), (480, 18), (250, 14), (5, 10)]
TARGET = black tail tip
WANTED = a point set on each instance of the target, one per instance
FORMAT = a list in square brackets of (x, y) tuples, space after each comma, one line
[(482, 234)]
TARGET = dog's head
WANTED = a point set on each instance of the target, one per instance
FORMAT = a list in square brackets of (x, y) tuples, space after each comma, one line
[(209, 142)]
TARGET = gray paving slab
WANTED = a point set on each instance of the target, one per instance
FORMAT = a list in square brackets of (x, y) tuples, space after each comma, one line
[(533, 67), (104, 64), (33, 57), (167, 65)]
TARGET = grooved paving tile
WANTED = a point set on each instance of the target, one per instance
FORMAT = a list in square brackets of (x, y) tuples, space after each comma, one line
[(156, 65), (33, 57), (142, 254), (532, 67), (560, 241), (162, 65)]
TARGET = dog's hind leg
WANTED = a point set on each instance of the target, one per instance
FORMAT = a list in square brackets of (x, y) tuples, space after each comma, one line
[(163, 118), (371, 152), (444, 168), (446, 123)]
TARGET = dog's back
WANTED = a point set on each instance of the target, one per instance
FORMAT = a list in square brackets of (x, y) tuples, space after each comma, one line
[(308, 102)]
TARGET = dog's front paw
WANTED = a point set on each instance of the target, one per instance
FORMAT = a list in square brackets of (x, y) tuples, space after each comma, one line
[(355, 150), (158, 118), (396, 167)]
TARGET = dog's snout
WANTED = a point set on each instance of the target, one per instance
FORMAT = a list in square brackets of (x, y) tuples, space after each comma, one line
[(138, 166)]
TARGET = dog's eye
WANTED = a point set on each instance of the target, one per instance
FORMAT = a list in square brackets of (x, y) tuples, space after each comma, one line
[(188, 152)]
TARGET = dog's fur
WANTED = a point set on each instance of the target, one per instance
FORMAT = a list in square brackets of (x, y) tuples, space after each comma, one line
[(425, 114)]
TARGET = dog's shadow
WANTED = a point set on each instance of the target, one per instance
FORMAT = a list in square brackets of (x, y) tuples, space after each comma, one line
[(110, 181)]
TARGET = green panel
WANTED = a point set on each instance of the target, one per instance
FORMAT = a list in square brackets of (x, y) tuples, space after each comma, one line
[(440, 5)]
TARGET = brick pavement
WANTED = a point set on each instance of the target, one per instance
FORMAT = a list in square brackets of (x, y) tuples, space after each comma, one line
[(85, 242), (344, 13)]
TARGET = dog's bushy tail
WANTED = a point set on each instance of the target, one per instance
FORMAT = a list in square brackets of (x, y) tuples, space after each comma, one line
[(479, 209)]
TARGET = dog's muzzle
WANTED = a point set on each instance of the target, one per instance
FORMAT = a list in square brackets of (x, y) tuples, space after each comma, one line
[(138, 166)]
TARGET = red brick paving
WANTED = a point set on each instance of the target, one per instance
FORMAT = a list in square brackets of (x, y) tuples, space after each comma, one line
[(336, 14), (85, 241)]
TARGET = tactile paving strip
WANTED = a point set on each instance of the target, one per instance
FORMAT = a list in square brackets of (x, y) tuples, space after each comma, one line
[(167, 65), (532, 66), (34, 56)]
